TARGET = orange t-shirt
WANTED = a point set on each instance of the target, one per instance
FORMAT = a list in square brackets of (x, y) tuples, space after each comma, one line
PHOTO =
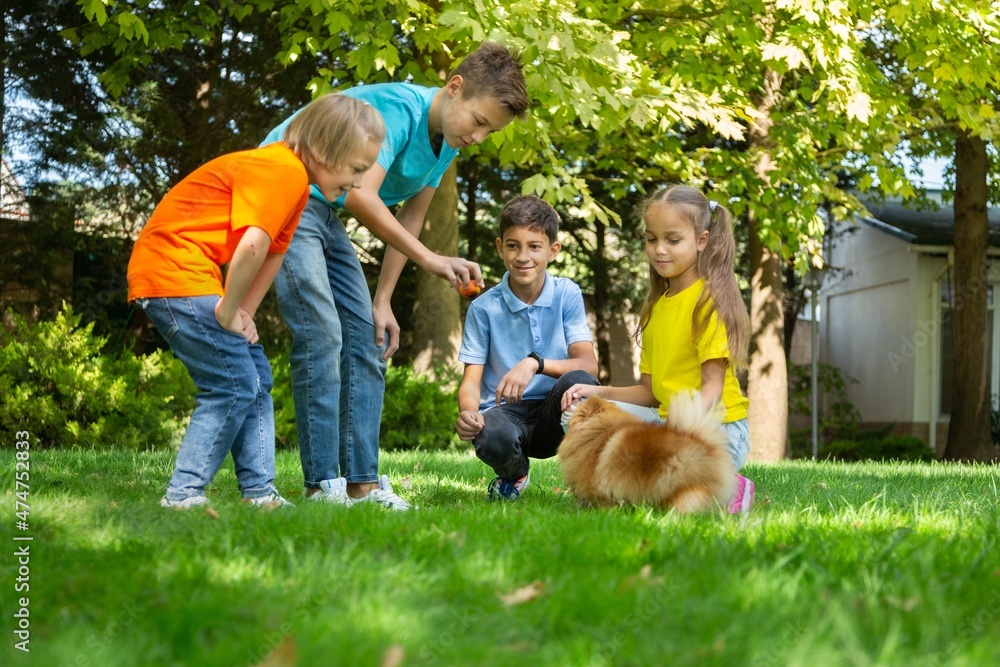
[(199, 223)]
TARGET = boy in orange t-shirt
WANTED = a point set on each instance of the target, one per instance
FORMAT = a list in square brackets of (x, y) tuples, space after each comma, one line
[(240, 209)]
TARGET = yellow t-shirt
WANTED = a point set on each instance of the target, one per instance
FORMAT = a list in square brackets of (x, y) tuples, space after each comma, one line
[(199, 223), (672, 357)]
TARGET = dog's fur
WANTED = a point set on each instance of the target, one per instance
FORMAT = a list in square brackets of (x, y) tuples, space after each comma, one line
[(610, 456)]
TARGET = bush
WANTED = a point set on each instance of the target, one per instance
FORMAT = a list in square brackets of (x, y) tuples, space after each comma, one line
[(890, 448), (839, 421), (995, 420), (418, 410), (59, 387)]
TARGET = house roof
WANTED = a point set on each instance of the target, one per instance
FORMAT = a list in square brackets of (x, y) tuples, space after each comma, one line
[(927, 226)]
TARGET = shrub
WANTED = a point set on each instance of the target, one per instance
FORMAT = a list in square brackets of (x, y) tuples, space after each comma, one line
[(59, 387), (995, 420), (418, 410), (839, 421), (284, 407), (890, 448)]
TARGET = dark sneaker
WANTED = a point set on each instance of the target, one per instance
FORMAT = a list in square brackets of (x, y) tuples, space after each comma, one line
[(506, 489)]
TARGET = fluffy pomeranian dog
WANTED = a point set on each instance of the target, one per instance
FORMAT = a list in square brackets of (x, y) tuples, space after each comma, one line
[(610, 457)]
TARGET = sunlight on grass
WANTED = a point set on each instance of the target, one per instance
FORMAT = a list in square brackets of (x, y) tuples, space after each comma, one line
[(865, 564)]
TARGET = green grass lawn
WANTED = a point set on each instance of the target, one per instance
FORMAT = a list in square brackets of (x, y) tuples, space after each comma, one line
[(860, 564)]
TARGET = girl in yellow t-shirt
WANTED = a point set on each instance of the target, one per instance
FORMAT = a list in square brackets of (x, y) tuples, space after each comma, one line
[(694, 326)]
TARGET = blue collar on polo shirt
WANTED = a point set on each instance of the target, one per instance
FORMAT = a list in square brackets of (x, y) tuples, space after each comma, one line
[(514, 304)]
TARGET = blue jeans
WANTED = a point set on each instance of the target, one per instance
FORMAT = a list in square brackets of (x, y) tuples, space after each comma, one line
[(514, 431), (234, 411), (737, 431), (338, 375)]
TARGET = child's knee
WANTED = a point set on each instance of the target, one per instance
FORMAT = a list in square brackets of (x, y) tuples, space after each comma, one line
[(574, 377)]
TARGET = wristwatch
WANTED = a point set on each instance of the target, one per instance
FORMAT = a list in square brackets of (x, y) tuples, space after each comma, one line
[(541, 363)]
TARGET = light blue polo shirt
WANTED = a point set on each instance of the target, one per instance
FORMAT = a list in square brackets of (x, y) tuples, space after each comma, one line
[(406, 155), (501, 330)]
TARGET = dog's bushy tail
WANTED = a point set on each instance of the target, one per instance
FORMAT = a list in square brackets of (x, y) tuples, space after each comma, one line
[(688, 414)]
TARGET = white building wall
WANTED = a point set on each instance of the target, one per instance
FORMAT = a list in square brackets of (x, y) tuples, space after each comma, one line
[(869, 324)]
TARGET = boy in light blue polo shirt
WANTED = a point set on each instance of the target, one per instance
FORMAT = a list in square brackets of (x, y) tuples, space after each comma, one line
[(526, 341)]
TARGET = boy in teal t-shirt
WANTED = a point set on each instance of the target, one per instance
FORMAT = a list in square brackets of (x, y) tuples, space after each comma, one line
[(340, 345)]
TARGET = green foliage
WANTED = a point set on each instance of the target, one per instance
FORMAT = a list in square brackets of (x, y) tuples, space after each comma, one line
[(284, 406), (892, 448), (865, 564), (995, 421), (419, 411), (841, 416), (59, 386)]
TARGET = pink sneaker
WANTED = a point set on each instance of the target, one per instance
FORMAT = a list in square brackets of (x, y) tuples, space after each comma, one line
[(743, 497)]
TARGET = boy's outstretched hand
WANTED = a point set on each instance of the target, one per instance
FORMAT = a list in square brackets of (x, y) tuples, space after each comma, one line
[(455, 270), (469, 424)]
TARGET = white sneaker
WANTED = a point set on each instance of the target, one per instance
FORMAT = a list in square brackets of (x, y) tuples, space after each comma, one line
[(384, 496), (332, 491), (186, 504), (271, 501)]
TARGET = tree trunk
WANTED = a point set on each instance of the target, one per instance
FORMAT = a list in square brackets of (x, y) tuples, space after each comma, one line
[(969, 431), (767, 383), (437, 323), (602, 327), (471, 177)]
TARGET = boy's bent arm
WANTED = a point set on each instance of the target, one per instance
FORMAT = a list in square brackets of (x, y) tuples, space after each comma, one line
[(262, 283), (470, 422), (581, 358), (249, 257), (372, 212), (411, 218)]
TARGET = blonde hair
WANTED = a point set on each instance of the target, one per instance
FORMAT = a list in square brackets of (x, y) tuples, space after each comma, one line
[(333, 128), (721, 292)]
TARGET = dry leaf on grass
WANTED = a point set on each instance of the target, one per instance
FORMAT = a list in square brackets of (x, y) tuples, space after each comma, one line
[(284, 655), (644, 576), (393, 656), (211, 513), (522, 595)]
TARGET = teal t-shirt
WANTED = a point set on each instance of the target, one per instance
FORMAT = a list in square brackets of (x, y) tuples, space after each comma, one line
[(407, 155)]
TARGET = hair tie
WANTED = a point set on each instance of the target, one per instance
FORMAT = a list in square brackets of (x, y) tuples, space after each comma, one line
[(712, 204)]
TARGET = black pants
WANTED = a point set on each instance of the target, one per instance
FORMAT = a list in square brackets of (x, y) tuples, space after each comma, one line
[(515, 431)]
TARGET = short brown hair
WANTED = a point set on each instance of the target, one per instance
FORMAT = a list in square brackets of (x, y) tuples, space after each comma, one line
[(333, 128), (531, 212), (494, 70)]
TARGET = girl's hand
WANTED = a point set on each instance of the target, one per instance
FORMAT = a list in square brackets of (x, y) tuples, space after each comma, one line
[(469, 424), (576, 394)]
